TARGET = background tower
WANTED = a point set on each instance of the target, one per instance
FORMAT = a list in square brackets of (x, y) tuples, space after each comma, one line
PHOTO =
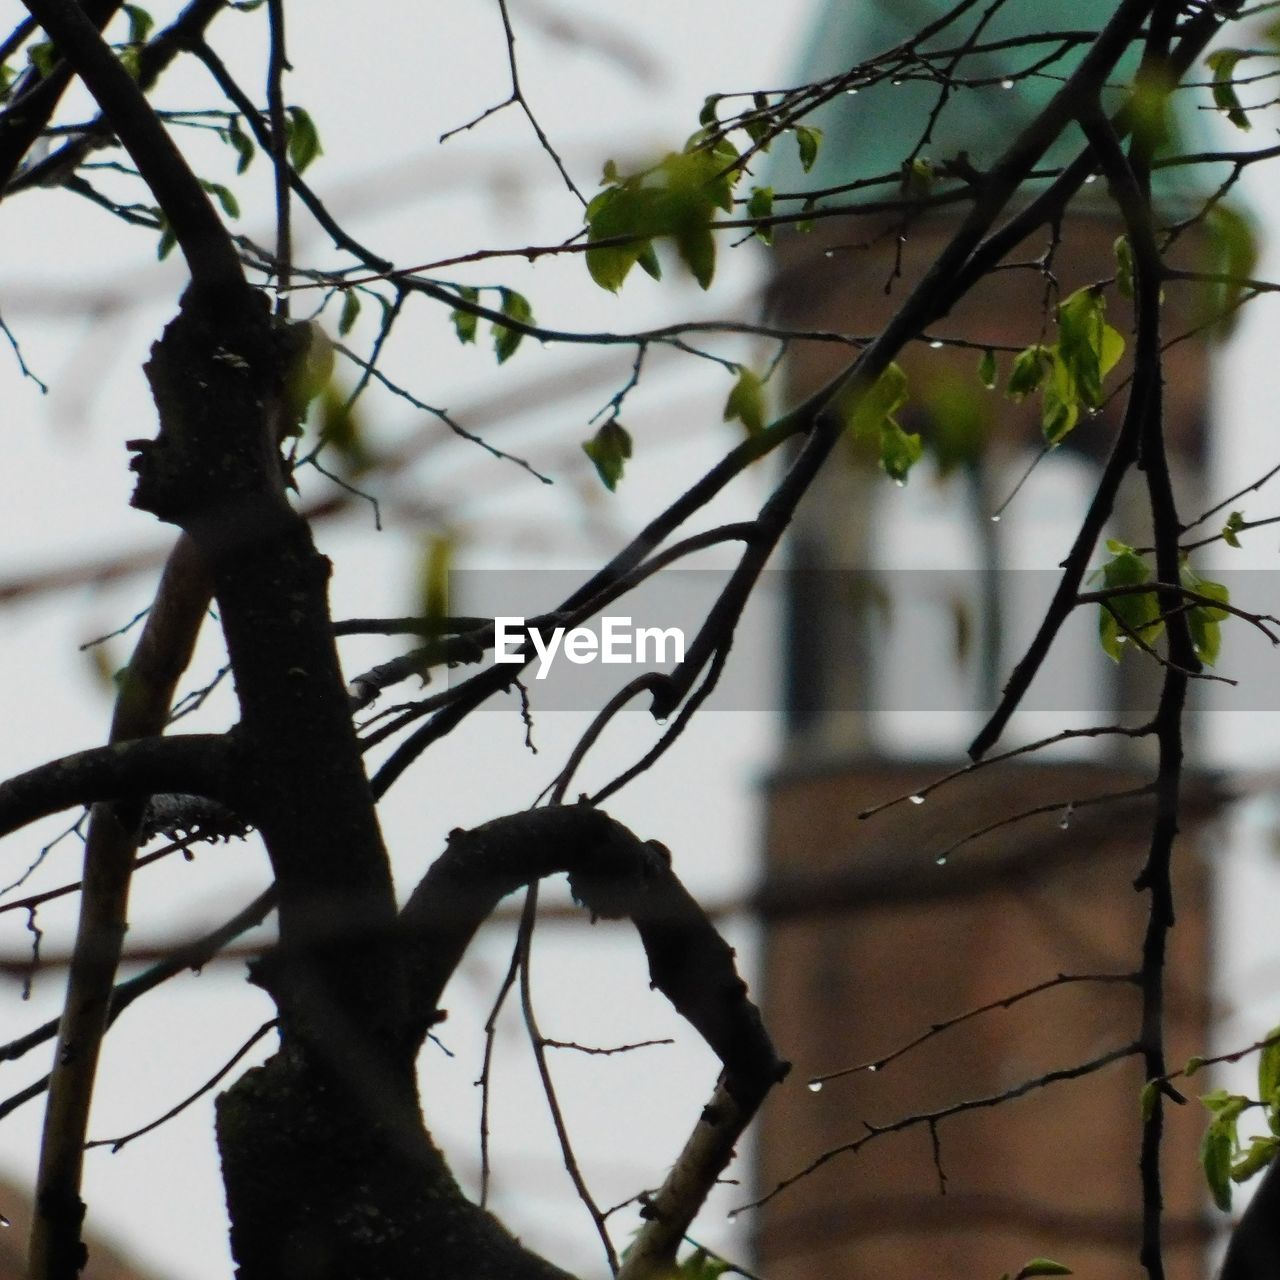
[(886, 678)]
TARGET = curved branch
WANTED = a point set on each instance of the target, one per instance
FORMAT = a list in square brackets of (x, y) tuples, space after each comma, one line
[(193, 764), (613, 874)]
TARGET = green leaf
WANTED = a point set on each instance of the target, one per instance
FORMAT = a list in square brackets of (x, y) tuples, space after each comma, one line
[(746, 402), (864, 413), (1194, 1064), (917, 177), (43, 56), (1203, 620), (899, 450), (1087, 346), (433, 578), (1059, 406), (140, 23), (1147, 1099), (1124, 266), (805, 224), (506, 340), (302, 140), (647, 260), (1223, 1104), (1042, 1267), (760, 205), (1269, 1070), (223, 195), (1027, 371), (243, 144), (707, 116), (465, 322), (1235, 522), (987, 371), (128, 59), (1261, 1152), (617, 212), (1123, 615), (350, 312), (311, 372), (701, 1265), (164, 246), (808, 140), (1232, 250), (342, 430), (1222, 62), (697, 247), (609, 450), (1216, 1149)]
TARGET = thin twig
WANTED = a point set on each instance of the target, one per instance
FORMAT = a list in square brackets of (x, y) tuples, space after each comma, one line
[(538, 1044), (945, 1113), (938, 1028), (1066, 807), (117, 1143), (1064, 735)]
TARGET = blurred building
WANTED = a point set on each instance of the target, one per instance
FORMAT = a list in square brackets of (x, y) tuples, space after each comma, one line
[(906, 611)]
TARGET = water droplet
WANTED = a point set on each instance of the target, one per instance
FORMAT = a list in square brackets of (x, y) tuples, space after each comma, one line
[(732, 1215), (4, 1222), (1006, 84), (995, 519), (895, 83), (815, 1086), (830, 253), (941, 860), (660, 719), (917, 799), (851, 92), (1066, 817), (873, 1066), (902, 484), (1092, 178), (937, 344)]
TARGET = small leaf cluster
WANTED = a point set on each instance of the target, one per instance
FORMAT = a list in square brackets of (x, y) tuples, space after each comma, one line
[(870, 416), (506, 339), (677, 199), (1223, 1157), (1069, 373), (1137, 614)]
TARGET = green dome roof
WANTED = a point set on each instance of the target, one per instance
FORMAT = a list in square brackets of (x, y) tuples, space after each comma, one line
[(872, 131)]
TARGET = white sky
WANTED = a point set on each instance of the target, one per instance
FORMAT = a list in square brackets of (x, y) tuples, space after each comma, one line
[(381, 92)]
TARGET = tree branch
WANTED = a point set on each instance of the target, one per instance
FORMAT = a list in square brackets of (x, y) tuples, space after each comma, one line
[(195, 764)]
